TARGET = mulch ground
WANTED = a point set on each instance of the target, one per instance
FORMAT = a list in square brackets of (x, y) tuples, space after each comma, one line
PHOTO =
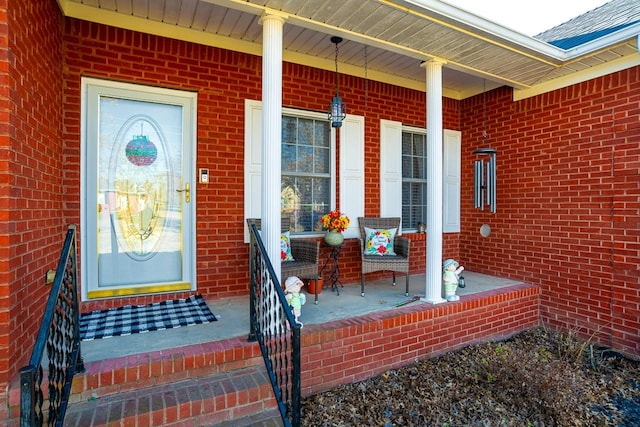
[(536, 378)]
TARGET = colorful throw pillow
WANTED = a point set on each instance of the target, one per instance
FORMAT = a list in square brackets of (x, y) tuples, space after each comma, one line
[(285, 247), (379, 242)]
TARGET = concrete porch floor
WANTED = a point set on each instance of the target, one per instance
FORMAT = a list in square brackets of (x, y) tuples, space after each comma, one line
[(233, 314)]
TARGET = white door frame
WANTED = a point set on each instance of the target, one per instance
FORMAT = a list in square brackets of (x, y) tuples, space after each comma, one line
[(92, 90)]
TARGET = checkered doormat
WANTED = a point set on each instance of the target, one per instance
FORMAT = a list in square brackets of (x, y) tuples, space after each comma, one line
[(138, 319)]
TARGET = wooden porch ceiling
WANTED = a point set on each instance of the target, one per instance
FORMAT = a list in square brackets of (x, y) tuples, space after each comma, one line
[(386, 39)]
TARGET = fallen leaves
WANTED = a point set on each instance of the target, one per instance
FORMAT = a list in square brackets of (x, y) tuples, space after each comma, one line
[(537, 378)]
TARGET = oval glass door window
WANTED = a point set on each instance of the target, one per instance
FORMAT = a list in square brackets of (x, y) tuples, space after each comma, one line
[(140, 173)]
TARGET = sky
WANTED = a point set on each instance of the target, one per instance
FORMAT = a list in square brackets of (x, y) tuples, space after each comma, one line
[(529, 17)]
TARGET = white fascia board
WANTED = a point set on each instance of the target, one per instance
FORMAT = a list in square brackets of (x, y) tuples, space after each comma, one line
[(527, 43), (613, 39), (461, 16), (578, 77)]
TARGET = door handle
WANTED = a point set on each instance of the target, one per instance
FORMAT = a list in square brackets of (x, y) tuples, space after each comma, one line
[(187, 192)]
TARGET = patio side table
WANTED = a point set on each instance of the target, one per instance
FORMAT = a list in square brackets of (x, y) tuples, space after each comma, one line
[(333, 267)]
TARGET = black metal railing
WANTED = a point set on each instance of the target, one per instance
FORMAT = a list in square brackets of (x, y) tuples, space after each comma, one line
[(59, 335), (272, 324)]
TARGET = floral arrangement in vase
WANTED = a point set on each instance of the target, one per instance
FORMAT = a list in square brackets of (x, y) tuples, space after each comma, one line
[(334, 221)]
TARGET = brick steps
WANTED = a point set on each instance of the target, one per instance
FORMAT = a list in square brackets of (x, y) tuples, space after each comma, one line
[(270, 418), (148, 369), (196, 385), (203, 401)]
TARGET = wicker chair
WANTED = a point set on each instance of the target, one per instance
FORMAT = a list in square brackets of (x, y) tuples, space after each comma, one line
[(394, 263), (306, 254)]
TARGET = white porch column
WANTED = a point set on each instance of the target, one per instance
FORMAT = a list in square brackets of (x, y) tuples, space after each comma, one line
[(433, 292), (271, 135)]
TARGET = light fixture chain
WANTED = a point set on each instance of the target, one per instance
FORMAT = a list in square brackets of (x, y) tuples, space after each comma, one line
[(366, 79), (337, 82), (484, 111)]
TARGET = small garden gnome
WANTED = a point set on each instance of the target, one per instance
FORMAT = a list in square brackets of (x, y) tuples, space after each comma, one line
[(296, 300), (451, 271)]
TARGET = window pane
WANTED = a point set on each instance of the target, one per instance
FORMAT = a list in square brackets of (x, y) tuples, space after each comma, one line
[(416, 216), (406, 142), (420, 145), (407, 167), (406, 155), (290, 199), (322, 151), (304, 184), (305, 131), (406, 193), (305, 159), (406, 213), (289, 130), (323, 135), (418, 193), (322, 194), (288, 158), (322, 160), (321, 199), (419, 168)]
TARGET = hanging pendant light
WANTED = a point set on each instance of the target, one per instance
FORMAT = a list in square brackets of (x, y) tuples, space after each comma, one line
[(337, 110)]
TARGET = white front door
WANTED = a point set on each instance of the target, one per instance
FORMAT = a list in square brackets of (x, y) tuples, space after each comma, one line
[(138, 221)]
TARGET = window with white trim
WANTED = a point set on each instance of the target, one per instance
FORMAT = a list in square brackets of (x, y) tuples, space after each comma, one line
[(306, 170), (403, 175), (414, 178)]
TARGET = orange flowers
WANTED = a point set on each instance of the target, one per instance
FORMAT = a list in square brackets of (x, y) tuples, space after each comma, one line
[(334, 221)]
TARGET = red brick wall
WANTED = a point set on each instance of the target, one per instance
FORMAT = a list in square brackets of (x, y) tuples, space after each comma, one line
[(6, 277), (343, 352), (224, 80), (32, 227), (568, 202)]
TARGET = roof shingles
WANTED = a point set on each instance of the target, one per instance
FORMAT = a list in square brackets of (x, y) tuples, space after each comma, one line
[(601, 21)]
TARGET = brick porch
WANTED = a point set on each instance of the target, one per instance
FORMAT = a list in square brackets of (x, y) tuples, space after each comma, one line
[(222, 381)]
